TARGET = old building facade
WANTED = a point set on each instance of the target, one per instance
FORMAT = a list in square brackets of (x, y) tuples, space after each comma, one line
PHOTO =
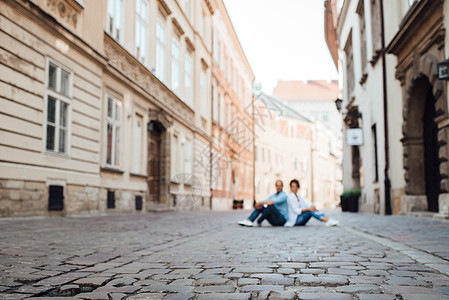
[(105, 106), (232, 124), (388, 53), (288, 146)]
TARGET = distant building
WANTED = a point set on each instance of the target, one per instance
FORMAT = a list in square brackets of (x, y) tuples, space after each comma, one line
[(289, 145), (315, 99), (387, 53)]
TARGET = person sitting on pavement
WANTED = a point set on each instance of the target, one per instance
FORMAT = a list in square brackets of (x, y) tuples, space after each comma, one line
[(274, 209), (300, 212)]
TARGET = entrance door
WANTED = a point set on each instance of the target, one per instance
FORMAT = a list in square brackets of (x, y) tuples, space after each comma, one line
[(154, 164), (431, 149)]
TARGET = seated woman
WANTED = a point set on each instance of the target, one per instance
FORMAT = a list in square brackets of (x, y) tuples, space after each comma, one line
[(300, 212)]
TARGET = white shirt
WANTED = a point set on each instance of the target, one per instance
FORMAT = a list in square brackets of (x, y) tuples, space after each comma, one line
[(295, 206)]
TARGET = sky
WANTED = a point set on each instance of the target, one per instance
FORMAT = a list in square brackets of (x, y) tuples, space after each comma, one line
[(283, 39)]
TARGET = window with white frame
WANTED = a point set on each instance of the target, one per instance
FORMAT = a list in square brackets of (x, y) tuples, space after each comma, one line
[(137, 144), (142, 30), (58, 100), (203, 24), (188, 79), (188, 156), (160, 49), (215, 102), (175, 159), (114, 22), (220, 108), (113, 131), (203, 92), (175, 57)]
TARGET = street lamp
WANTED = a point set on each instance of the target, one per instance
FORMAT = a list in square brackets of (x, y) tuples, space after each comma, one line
[(339, 104), (443, 70)]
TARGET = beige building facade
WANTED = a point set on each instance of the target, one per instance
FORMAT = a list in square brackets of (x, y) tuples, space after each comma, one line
[(399, 93), (106, 106)]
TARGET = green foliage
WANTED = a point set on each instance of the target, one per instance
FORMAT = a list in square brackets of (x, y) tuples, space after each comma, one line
[(351, 193)]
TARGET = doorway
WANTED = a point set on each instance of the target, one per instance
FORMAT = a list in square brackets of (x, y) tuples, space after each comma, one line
[(154, 162), (423, 170)]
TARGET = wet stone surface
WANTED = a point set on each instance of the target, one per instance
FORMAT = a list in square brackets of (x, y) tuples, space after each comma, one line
[(205, 255)]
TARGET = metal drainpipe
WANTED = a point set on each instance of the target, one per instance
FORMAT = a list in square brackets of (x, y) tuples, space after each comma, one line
[(211, 121), (385, 100)]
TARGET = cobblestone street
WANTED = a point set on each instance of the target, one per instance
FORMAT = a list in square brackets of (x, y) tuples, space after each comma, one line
[(206, 255)]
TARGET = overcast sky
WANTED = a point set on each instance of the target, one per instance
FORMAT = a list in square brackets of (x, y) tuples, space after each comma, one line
[(283, 39)]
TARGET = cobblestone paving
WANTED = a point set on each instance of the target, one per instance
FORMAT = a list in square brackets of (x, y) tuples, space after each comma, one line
[(205, 255)]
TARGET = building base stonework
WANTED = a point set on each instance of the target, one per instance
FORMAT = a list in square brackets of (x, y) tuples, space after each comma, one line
[(20, 198), (413, 203)]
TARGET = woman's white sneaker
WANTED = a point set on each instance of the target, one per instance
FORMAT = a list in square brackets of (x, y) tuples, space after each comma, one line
[(246, 223), (332, 222)]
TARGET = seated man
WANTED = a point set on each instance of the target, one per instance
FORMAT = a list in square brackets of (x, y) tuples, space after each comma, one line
[(274, 209), (300, 212)]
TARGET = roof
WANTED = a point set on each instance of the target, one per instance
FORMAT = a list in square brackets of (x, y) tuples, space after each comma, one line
[(310, 90), (276, 105)]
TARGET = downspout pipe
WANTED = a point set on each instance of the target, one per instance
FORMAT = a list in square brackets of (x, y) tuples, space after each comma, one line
[(387, 181)]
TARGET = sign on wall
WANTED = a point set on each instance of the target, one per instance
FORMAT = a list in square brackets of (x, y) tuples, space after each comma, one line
[(354, 136)]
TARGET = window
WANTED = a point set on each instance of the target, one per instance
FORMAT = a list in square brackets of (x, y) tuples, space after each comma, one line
[(160, 50), (202, 26), (215, 104), (137, 144), (203, 91), (362, 24), (349, 65), (187, 8), (188, 79), (113, 131), (175, 65), (263, 154), (111, 199), (376, 163), (141, 30), (220, 109), (58, 99), (376, 27), (175, 159), (114, 21), (188, 156)]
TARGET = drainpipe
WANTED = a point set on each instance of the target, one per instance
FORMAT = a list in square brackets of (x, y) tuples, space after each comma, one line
[(385, 100), (254, 147)]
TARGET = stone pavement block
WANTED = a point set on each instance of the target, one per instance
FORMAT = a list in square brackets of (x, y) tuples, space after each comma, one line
[(69, 290), (217, 271), (312, 271), (321, 296), (359, 288), (394, 280), (276, 281), (13, 296), (366, 279), (339, 271), (182, 282), (180, 296), (283, 295), (116, 296), (167, 288), (374, 272), (147, 296), (29, 289), (186, 271), (423, 296), (257, 288), (245, 281), (403, 273), (93, 295), (402, 290), (122, 281), (119, 289), (92, 281), (286, 271), (233, 275), (253, 270), (215, 289), (292, 265), (223, 296), (215, 280), (375, 297)]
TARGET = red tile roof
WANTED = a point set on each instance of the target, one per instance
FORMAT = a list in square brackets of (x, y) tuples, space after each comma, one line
[(310, 90)]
